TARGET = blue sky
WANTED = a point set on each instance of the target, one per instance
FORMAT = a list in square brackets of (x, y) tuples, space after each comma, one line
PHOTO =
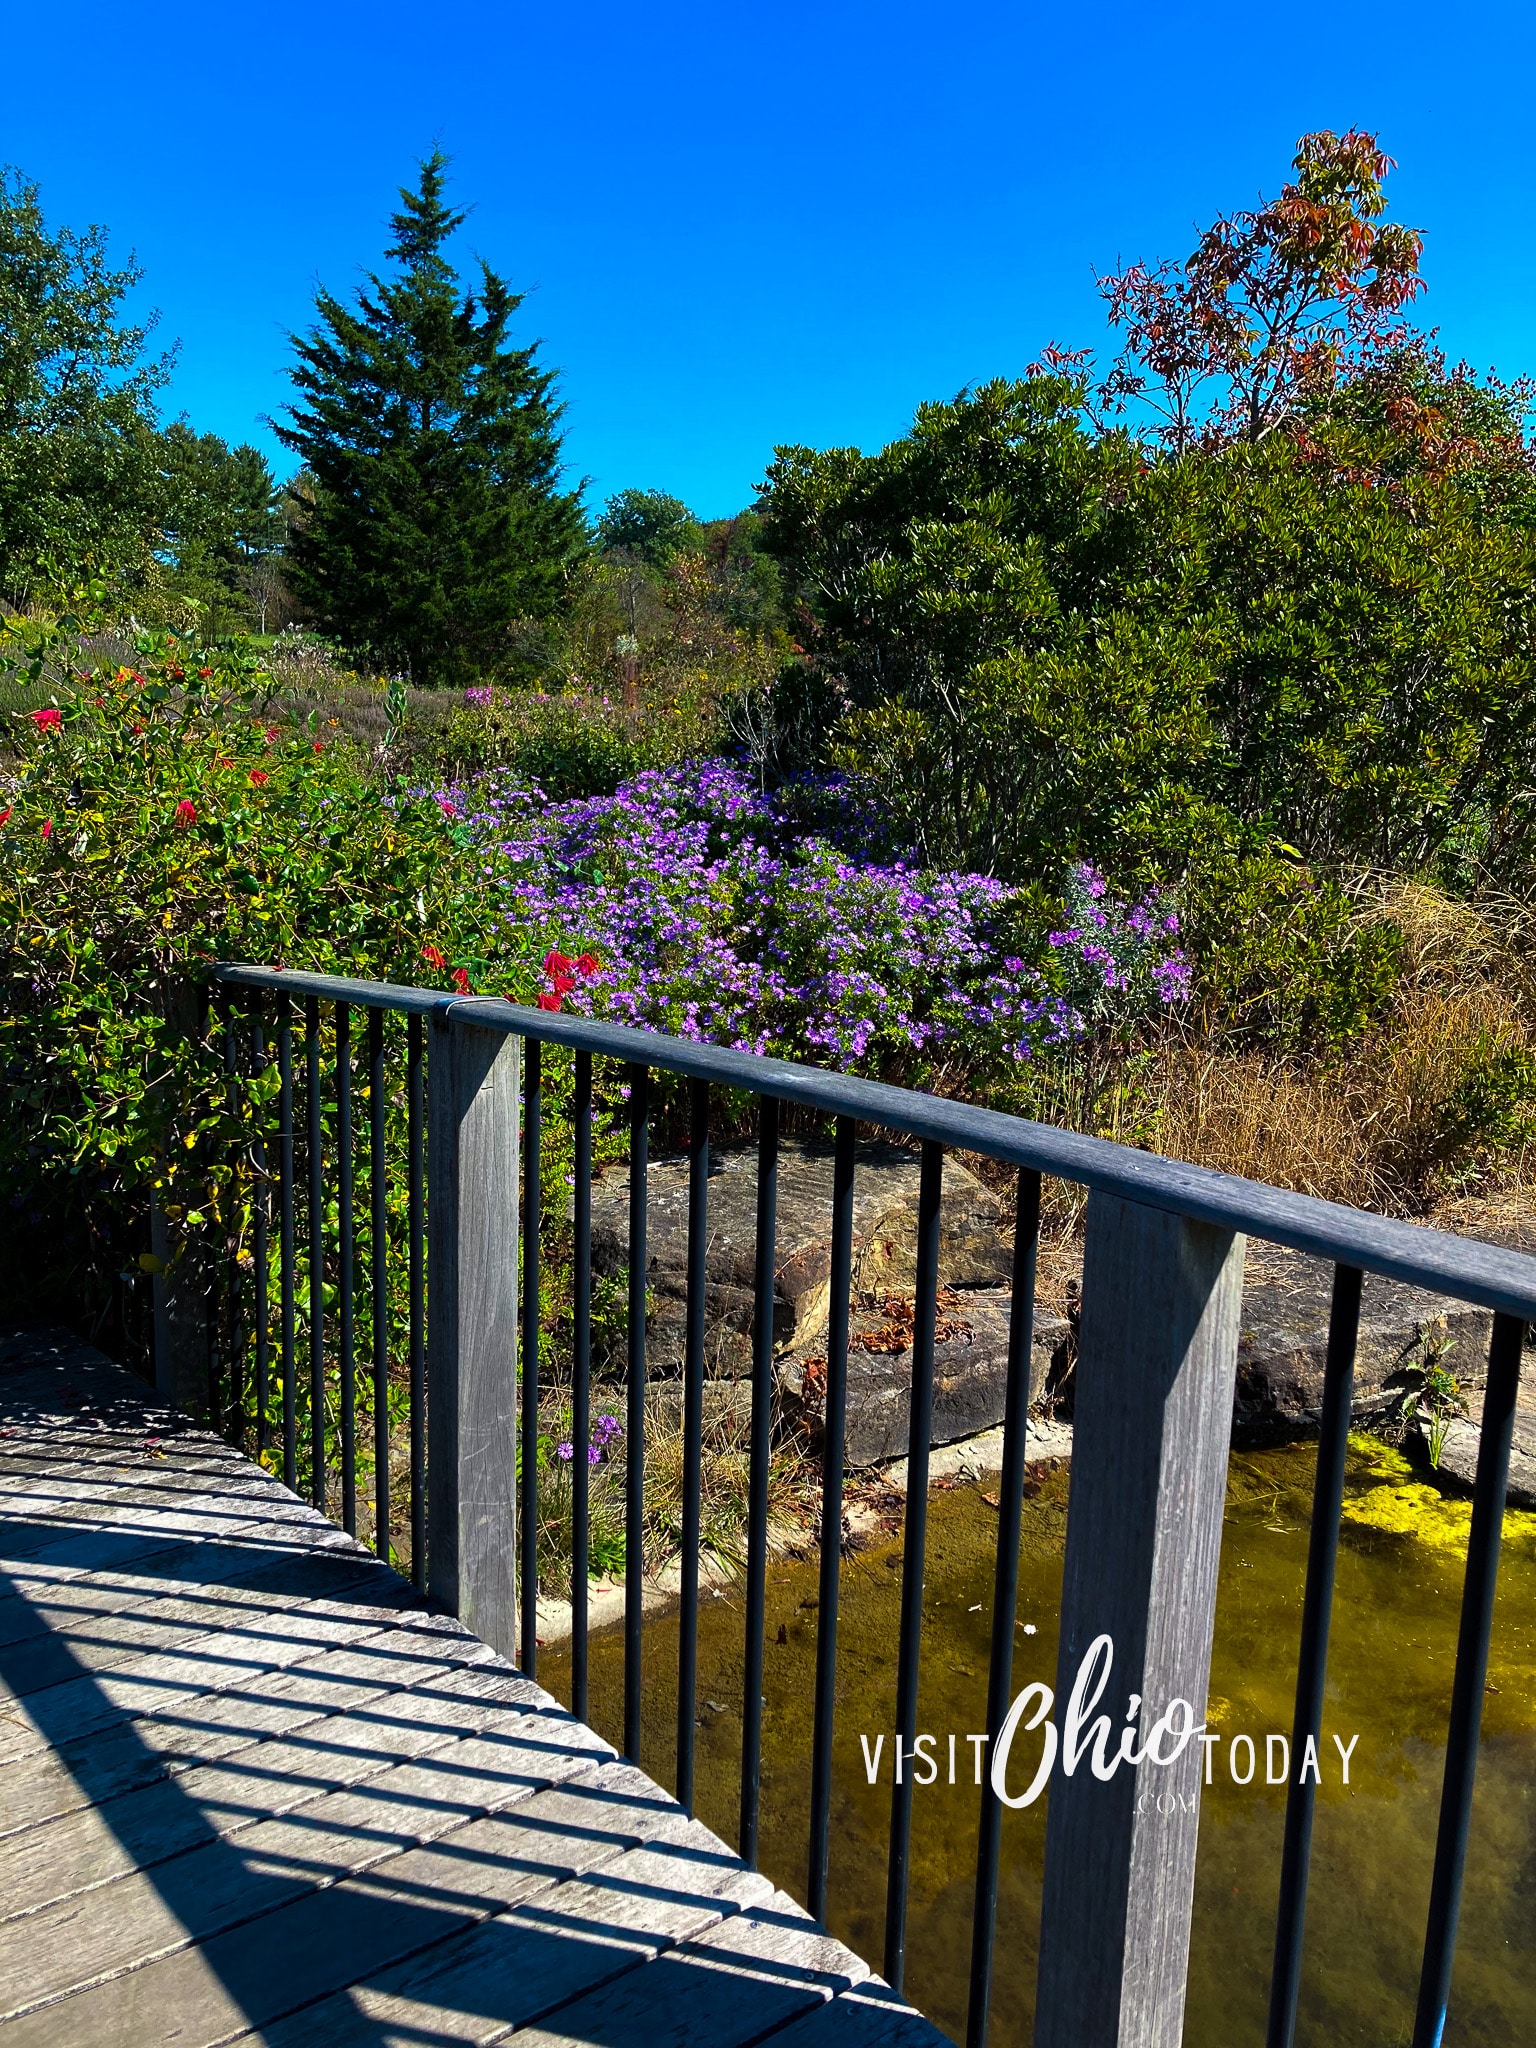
[(742, 226)]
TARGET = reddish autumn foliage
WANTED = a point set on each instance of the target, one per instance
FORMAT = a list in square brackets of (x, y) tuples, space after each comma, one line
[(1274, 307)]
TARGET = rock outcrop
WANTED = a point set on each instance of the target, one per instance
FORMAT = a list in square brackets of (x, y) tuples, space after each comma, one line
[(1281, 1356), (972, 1249)]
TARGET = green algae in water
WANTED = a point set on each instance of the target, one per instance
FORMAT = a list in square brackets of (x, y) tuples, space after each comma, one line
[(1392, 1653)]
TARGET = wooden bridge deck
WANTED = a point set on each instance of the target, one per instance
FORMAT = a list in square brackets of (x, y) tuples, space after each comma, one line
[(250, 1790)]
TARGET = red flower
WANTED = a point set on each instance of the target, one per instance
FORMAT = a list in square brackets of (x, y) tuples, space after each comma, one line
[(587, 964), (258, 776), (49, 717), (563, 983), (436, 959), (319, 746), (556, 963), (461, 980), (48, 829), (186, 814), (548, 1001), (205, 673)]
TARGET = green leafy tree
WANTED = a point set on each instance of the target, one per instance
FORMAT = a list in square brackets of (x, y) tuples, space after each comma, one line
[(221, 523), (435, 518), (648, 527), (78, 469), (1239, 671)]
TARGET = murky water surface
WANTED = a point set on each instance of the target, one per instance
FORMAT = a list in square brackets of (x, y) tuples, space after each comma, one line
[(1393, 1651)]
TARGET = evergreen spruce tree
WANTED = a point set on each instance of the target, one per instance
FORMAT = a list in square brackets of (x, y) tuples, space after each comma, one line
[(435, 516)]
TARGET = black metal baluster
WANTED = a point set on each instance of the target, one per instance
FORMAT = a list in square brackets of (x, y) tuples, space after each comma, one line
[(924, 1312), (347, 1337), (236, 1404), (1312, 1665), (634, 1414), (757, 1484), (316, 1168), (286, 1247), (693, 1435), (1005, 1591), (581, 1385), (378, 1273), (261, 1210), (834, 1433), (416, 1114), (1471, 1678), (533, 1197)]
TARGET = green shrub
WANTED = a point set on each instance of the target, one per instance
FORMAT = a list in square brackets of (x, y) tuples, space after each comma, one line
[(162, 819), (576, 744)]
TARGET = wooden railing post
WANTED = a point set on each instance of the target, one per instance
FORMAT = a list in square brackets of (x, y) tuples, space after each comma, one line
[(1156, 1367), (472, 1287)]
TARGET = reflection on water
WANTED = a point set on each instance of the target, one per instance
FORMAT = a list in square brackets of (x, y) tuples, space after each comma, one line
[(1392, 1654)]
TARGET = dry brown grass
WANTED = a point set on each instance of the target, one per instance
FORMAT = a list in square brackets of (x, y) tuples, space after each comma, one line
[(1391, 1123), (1385, 1126)]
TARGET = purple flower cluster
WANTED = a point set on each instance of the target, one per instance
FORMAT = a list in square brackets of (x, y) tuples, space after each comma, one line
[(1116, 958), (604, 1431), (478, 698), (771, 923)]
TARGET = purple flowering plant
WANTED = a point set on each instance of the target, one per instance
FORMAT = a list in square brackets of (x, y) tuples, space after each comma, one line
[(599, 1443), (1117, 962), (780, 923)]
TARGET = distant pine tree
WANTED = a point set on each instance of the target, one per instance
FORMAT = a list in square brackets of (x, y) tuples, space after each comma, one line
[(434, 515)]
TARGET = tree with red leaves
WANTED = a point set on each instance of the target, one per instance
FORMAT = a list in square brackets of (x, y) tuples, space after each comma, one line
[(1274, 308)]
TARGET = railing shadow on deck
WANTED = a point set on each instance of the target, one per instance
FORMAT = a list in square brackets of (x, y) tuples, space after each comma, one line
[(282, 1922)]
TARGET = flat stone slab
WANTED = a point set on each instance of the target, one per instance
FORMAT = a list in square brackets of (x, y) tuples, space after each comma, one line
[(252, 1790), (972, 1249), (1282, 1354), (1458, 1456), (970, 1370)]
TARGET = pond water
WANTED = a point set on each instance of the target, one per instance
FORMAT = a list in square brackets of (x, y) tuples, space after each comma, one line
[(1391, 1659)]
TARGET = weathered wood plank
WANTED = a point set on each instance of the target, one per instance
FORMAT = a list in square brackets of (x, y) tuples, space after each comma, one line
[(269, 1796), (54, 1603), (259, 1778), (588, 1882), (102, 1764), (354, 1803), (168, 1682), (722, 1990), (1156, 1369), (240, 1585), (869, 2016)]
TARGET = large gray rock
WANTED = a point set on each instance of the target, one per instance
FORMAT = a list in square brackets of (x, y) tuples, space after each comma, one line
[(972, 1250), (970, 1370), (1458, 1455), (1283, 1348)]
